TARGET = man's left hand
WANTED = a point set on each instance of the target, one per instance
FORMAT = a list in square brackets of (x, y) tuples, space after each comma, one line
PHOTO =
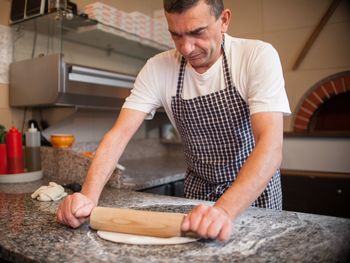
[(208, 222)]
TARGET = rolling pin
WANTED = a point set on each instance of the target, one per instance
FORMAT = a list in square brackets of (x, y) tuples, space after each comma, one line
[(129, 221)]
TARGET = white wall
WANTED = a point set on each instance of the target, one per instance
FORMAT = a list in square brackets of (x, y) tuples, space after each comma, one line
[(317, 154), (287, 25), (90, 126)]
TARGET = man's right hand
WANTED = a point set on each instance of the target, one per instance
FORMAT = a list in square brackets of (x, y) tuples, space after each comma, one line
[(74, 210)]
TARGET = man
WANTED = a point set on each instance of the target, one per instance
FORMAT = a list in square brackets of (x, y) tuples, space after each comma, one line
[(226, 97)]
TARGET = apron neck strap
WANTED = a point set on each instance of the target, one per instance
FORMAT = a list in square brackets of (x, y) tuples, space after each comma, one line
[(183, 66)]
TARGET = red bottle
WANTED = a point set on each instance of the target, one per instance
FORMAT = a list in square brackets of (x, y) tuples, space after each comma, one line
[(3, 159), (14, 151)]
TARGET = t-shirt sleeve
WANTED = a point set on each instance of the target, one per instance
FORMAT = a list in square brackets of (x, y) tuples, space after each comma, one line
[(144, 96), (265, 82)]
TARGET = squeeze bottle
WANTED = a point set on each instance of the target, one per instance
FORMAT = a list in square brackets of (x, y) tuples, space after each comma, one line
[(33, 158), (14, 151)]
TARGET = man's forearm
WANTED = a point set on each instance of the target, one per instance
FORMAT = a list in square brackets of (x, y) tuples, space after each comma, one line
[(103, 165), (260, 166), (109, 152), (251, 180)]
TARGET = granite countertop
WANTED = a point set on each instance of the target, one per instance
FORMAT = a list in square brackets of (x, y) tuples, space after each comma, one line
[(152, 171), (68, 166), (30, 233)]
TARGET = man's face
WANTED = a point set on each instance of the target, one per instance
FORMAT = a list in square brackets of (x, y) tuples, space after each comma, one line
[(197, 35)]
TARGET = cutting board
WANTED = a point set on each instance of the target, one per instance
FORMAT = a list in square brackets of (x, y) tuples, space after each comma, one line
[(129, 221)]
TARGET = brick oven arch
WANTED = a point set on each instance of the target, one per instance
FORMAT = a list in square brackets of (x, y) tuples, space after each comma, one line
[(318, 94)]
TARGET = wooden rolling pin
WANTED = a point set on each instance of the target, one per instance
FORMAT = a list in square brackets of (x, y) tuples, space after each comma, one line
[(157, 224)]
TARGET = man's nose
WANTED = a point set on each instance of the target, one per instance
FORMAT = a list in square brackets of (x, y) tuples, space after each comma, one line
[(186, 46)]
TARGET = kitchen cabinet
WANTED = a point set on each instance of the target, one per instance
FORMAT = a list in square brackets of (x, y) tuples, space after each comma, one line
[(316, 193), (170, 189), (324, 195)]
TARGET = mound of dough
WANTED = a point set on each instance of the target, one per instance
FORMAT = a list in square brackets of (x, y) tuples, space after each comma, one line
[(143, 240)]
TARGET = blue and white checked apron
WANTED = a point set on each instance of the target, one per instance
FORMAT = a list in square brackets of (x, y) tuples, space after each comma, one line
[(217, 136)]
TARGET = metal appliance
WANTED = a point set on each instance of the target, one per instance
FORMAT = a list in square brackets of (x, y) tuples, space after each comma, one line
[(50, 81)]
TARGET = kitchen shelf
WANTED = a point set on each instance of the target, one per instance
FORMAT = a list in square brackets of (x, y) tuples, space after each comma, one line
[(79, 29), (119, 41)]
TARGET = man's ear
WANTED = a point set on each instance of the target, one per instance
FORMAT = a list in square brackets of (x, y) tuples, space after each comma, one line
[(225, 20)]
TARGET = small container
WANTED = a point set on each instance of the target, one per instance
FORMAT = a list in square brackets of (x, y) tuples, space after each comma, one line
[(14, 150), (33, 158), (62, 140)]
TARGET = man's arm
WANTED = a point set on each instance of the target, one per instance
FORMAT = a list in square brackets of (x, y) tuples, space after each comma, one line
[(259, 168), (75, 208), (255, 174)]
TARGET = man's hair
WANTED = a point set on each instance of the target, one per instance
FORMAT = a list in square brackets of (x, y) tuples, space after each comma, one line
[(179, 6)]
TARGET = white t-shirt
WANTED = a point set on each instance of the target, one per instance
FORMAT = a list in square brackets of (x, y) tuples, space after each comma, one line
[(256, 73)]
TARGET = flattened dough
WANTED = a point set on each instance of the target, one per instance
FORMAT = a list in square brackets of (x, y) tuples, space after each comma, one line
[(143, 240)]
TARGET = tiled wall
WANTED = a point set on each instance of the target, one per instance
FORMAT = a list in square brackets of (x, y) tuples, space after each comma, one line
[(5, 53), (5, 59), (8, 116)]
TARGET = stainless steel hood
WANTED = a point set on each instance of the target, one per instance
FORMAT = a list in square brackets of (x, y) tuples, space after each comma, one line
[(49, 81)]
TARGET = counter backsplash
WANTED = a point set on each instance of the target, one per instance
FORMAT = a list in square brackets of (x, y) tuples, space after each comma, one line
[(137, 148), (67, 166), (70, 165)]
